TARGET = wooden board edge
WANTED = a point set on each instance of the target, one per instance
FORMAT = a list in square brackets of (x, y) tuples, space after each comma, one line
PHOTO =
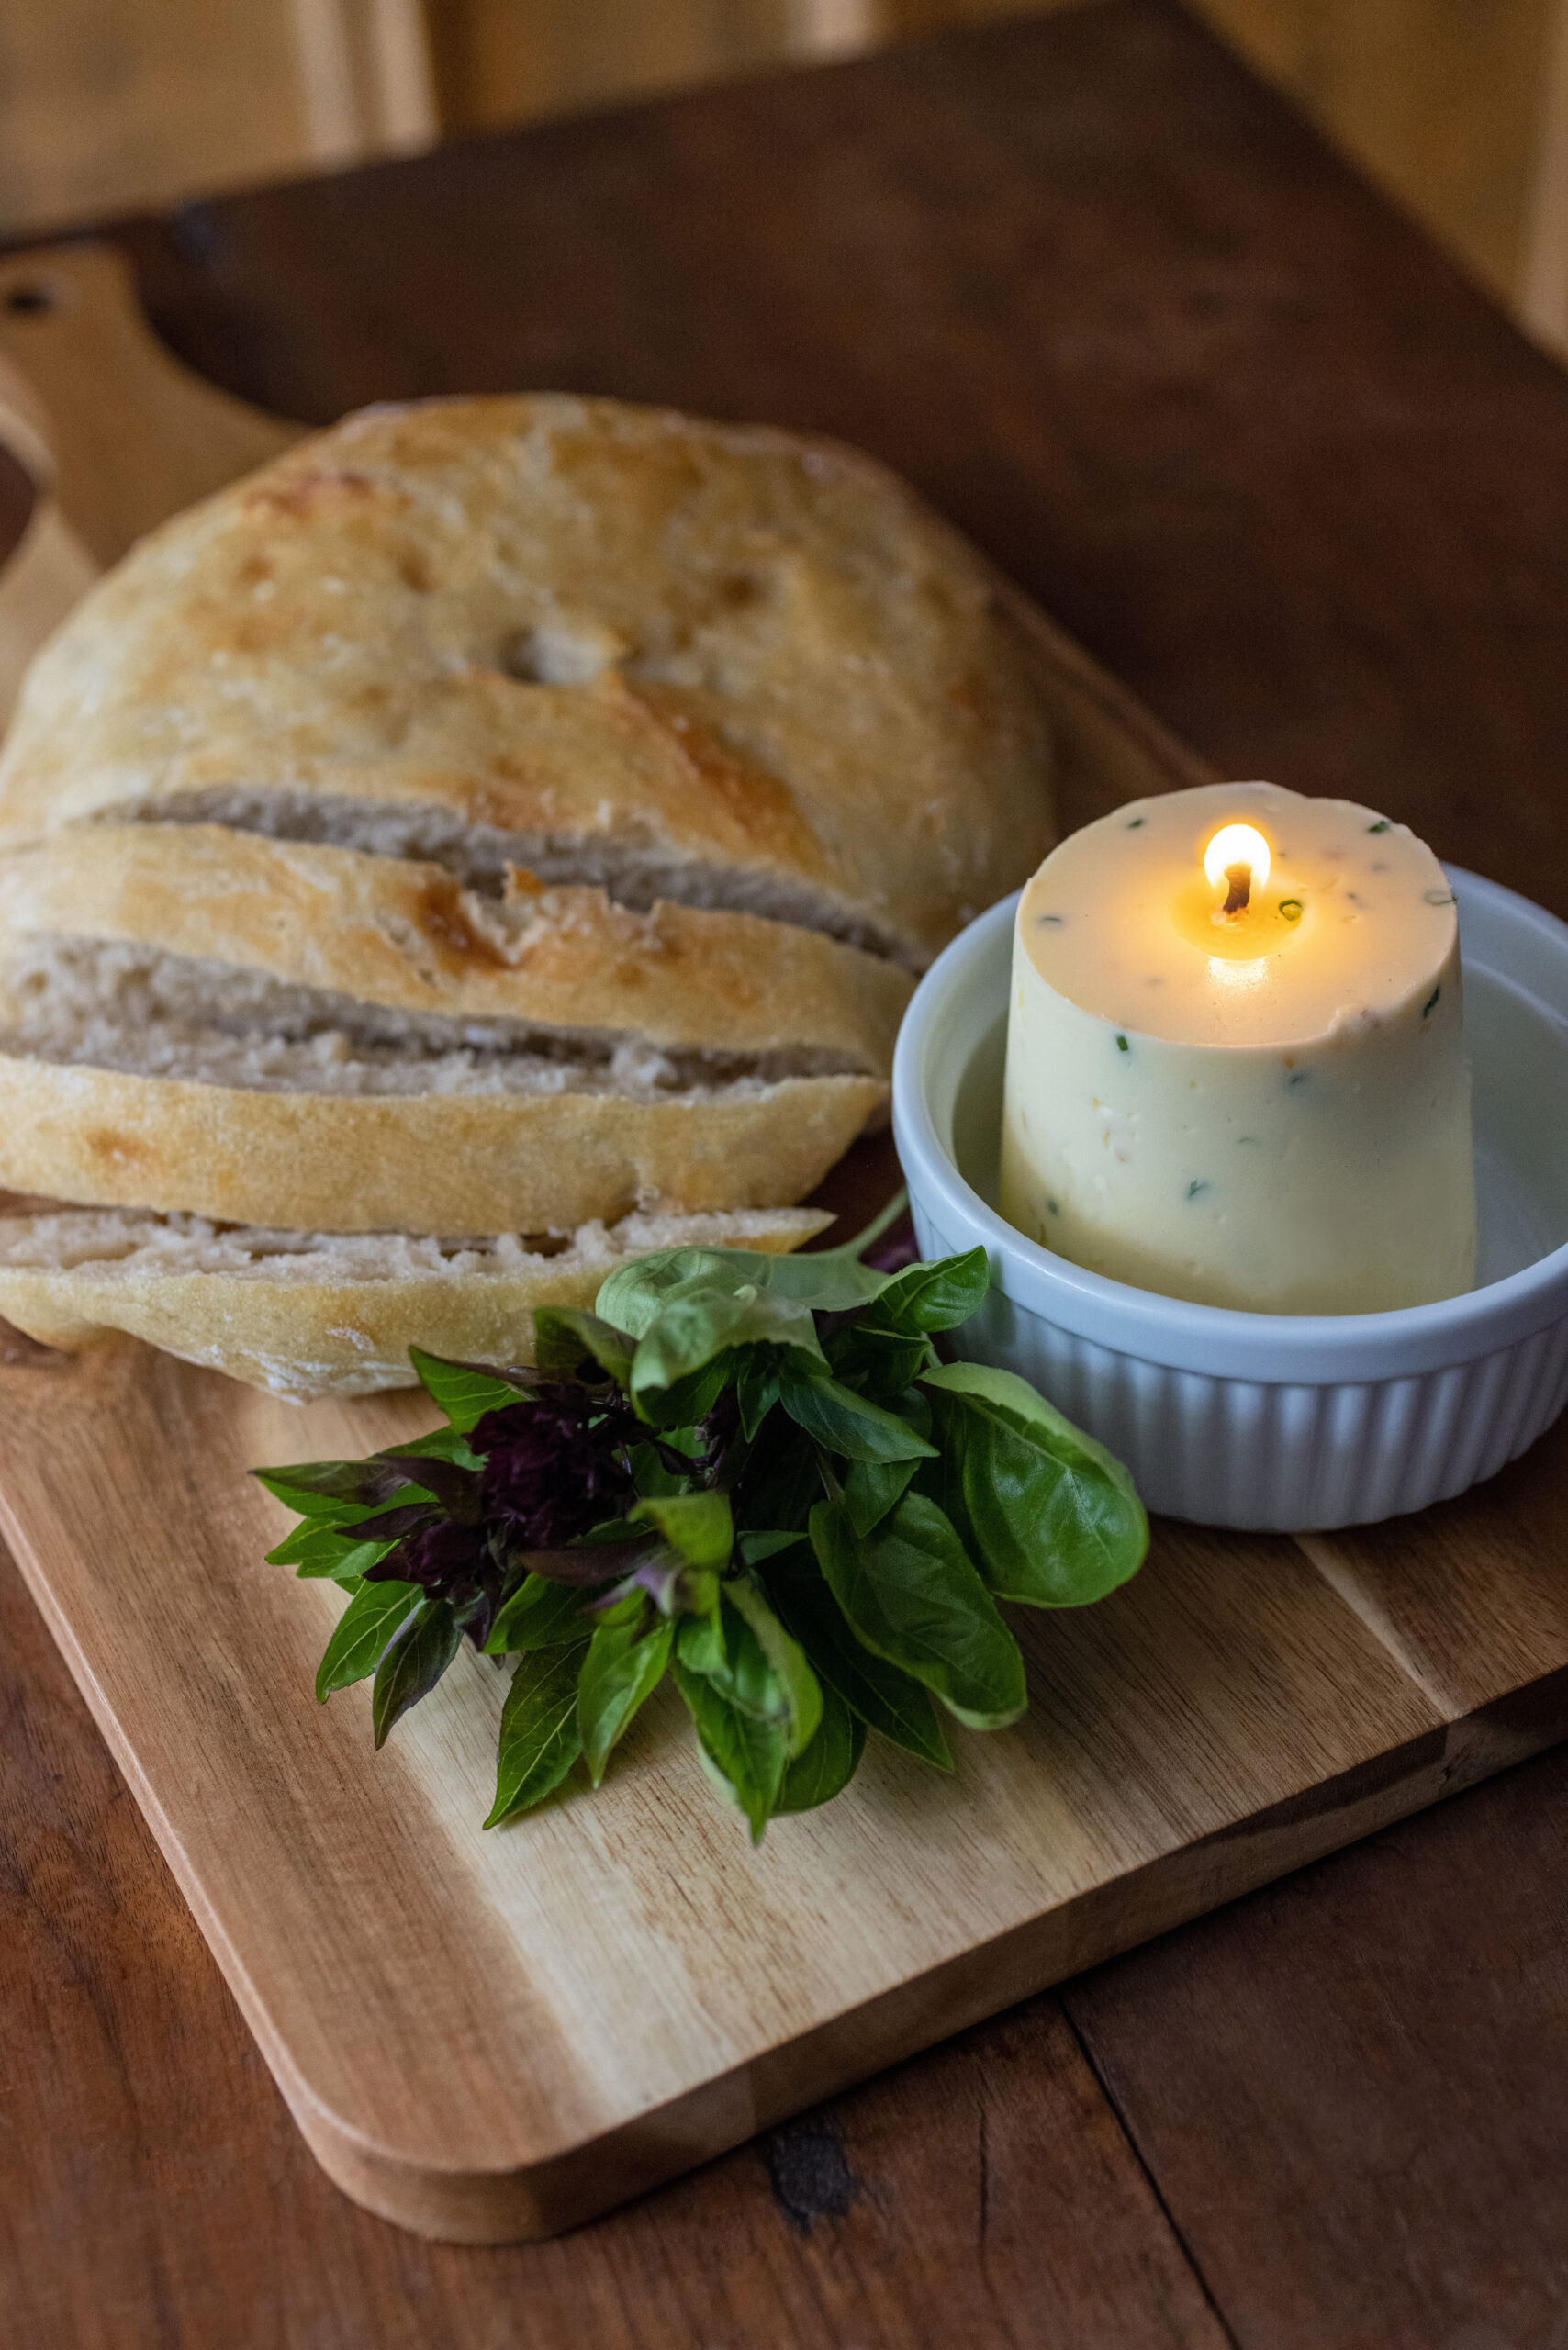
[(578, 2183), (569, 2186)]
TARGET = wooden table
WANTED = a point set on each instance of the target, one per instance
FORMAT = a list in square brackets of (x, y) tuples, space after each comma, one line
[(1275, 463)]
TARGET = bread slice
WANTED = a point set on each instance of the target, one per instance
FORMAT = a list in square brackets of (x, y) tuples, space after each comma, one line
[(715, 665), (340, 1132), (313, 1314), (558, 963)]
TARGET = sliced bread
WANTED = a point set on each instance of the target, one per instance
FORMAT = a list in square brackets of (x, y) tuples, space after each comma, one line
[(313, 1314)]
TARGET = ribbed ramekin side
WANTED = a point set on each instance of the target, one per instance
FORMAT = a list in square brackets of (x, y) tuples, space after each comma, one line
[(1279, 1455)]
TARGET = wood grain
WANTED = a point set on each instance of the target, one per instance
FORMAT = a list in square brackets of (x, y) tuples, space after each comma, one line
[(491, 2036), (1360, 2071), (1463, 1596), (911, 2214)]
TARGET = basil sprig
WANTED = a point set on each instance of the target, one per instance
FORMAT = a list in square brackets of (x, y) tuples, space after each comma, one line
[(750, 1475)]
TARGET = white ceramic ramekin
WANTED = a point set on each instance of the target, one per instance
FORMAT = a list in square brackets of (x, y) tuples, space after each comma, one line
[(1273, 1420)]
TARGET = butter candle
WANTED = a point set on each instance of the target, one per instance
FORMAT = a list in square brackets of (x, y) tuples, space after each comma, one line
[(1235, 1057)]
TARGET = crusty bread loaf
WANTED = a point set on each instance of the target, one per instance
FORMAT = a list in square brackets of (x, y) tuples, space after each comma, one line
[(503, 816), (306, 1314), (715, 664)]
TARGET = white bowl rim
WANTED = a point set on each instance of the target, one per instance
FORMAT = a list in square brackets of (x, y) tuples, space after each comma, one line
[(1274, 1349)]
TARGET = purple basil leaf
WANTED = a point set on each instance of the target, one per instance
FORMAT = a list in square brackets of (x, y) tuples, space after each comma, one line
[(413, 1665), (457, 1490), (336, 1490), (393, 1524), (556, 1464), (586, 1564)]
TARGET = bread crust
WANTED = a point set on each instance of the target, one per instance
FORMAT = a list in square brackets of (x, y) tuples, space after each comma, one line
[(403, 935), (572, 620), (349, 1337), (421, 1163)]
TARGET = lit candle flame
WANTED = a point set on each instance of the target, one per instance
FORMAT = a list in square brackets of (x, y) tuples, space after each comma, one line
[(1238, 858)]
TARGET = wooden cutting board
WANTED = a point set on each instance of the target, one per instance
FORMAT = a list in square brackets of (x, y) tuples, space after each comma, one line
[(488, 2036)]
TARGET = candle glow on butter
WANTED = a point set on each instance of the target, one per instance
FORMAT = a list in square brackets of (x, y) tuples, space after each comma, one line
[(1235, 1062)]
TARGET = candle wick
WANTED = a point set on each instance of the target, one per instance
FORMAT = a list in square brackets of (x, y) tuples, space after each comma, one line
[(1239, 876)]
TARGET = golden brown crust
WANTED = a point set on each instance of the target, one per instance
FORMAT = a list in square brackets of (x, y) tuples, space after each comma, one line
[(403, 935), (421, 1163), (767, 656), (349, 1335)]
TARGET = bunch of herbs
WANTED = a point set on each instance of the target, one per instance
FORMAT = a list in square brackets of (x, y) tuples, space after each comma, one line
[(750, 1475)]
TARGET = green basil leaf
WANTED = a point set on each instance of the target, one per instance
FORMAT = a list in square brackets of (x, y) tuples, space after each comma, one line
[(467, 1390), (630, 1608), (937, 1296), (914, 1596), (695, 1324), (676, 1589), (317, 1550), (351, 1567), (566, 1338), (826, 1282), (361, 1634), (672, 1409), (631, 1297), (701, 1643), (440, 1444), (540, 1737), (758, 1674), (1052, 1518), (724, 1648), (539, 1615), (649, 1473), (757, 1387), (411, 1668), (848, 1424), (759, 1542), (885, 1699), (882, 1363), (828, 1763), (872, 1488), (747, 1752), (786, 1658), (624, 1664), (699, 1526), (336, 1493)]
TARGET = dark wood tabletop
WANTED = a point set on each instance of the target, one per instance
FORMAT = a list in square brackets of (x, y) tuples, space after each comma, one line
[(1265, 452)]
